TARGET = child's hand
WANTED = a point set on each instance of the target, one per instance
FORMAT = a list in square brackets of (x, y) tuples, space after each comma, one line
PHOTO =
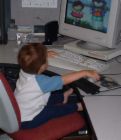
[(52, 53), (92, 74)]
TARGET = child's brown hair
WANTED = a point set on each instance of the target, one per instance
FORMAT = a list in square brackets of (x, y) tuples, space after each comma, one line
[(31, 57)]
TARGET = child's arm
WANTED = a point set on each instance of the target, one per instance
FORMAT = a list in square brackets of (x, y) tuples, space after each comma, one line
[(68, 78)]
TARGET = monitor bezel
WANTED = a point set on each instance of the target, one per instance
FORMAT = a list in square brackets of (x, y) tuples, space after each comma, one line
[(105, 39)]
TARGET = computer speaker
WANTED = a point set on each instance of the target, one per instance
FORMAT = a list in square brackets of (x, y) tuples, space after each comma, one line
[(51, 32)]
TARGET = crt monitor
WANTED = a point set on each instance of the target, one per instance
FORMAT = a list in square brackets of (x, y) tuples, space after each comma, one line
[(96, 22)]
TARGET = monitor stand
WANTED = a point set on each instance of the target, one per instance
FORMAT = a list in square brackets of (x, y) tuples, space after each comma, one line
[(93, 50)]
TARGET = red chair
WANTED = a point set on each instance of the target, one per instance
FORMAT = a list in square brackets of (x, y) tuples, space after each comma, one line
[(10, 119)]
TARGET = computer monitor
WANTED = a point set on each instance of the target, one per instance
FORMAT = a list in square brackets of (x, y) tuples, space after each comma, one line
[(96, 22)]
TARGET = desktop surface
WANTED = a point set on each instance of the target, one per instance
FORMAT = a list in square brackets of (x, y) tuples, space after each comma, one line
[(105, 115)]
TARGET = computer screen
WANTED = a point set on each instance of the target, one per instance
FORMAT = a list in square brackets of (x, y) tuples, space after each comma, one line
[(97, 22)]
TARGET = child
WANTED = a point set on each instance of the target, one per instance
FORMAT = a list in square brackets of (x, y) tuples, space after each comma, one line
[(33, 89)]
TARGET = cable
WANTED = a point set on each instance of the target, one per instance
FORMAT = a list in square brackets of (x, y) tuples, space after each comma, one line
[(112, 74), (111, 89)]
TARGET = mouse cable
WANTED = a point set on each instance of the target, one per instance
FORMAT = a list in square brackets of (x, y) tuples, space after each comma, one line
[(111, 89), (111, 74)]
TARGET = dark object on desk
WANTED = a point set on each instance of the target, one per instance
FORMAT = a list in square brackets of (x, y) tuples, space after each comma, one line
[(86, 86), (51, 32)]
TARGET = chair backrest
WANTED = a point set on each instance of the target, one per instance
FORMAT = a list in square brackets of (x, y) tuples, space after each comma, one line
[(9, 110)]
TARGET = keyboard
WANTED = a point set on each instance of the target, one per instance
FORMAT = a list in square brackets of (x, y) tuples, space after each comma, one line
[(75, 62)]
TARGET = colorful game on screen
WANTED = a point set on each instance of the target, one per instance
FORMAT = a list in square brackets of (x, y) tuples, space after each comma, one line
[(90, 14)]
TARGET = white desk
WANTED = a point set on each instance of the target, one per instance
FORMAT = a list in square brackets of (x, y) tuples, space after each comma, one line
[(105, 116)]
